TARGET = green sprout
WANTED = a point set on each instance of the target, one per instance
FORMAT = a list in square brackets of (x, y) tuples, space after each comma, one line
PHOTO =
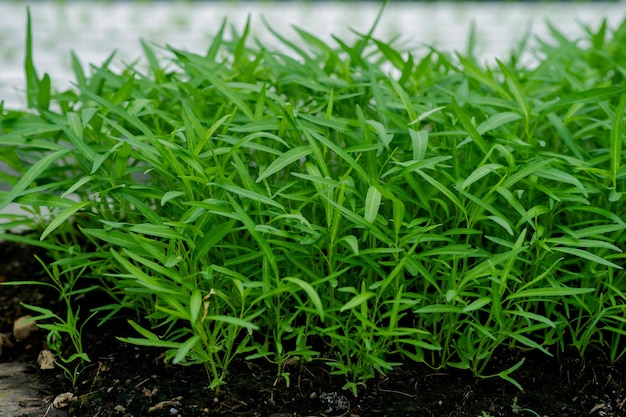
[(348, 202)]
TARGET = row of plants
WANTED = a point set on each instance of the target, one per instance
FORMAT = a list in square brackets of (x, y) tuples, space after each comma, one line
[(356, 203)]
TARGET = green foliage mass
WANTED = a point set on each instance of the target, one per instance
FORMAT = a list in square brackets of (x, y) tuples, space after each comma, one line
[(352, 203)]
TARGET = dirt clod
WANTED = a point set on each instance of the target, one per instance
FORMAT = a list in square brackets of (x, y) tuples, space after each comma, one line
[(24, 327), (63, 400), (45, 359)]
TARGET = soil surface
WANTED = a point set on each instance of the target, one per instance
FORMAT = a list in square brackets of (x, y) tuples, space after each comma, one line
[(129, 381)]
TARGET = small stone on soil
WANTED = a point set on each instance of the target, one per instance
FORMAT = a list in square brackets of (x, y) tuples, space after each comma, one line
[(24, 327)]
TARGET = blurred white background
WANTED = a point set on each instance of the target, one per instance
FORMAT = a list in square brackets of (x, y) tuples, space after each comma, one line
[(95, 29)]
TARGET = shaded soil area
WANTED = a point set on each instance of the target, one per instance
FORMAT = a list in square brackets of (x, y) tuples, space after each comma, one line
[(126, 381)]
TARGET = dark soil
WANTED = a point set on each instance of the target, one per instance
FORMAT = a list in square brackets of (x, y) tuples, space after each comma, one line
[(130, 381)]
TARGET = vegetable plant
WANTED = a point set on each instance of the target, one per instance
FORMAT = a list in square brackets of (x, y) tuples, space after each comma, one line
[(351, 202)]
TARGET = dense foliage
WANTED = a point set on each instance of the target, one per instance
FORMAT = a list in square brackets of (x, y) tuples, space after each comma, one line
[(350, 203)]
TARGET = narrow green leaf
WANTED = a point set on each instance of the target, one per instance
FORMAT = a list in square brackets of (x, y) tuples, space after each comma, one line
[(151, 343), (549, 292), (341, 154), (234, 320), (44, 92), (211, 238), (512, 82), (81, 80), (250, 226), (145, 280), (469, 127), (562, 176), (125, 91), (383, 137), (617, 139), (502, 223), (229, 93), (496, 121), (596, 230), (170, 195), (310, 292), (419, 141), (372, 204), (145, 333), (357, 300), (195, 305), (158, 230), (586, 255), (564, 134), (183, 350), (477, 304), (75, 134), (506, 373), (398, 215), (352, 243), (479, 173), (525, 171), (591, 96), (62, 217), (216, 42), (250, 194), (427, 114), (284, 160), (29, 178), (32, 79), (532, 316)]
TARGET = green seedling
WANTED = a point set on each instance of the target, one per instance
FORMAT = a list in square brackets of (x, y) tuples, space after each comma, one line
[(350, 202)]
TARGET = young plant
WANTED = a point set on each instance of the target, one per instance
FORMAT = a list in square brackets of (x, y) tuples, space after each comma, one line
[(67, 326), (348, 202)]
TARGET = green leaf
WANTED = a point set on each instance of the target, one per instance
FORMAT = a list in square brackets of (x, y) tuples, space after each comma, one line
[(170, 195), (372, 204), (357, 300), (342, 154), (32, 79), (195, 305), (516, 89), (617, 139), (352, 242), (496, 121), (506, 374), (211, 238), (559, 175), (142, 331), (549, 292), (251, 195), (284, 160), (384, 137), (29, 178), (586, 255), (234, 321), (229, 93), (124, 92), (479, 173), (62, 217), (469, 127), (419, 141), (75, 133), (565, 134), (44, 93), (312, 294), (78, 71), (183, 350), (590, 96), (477, 304)]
